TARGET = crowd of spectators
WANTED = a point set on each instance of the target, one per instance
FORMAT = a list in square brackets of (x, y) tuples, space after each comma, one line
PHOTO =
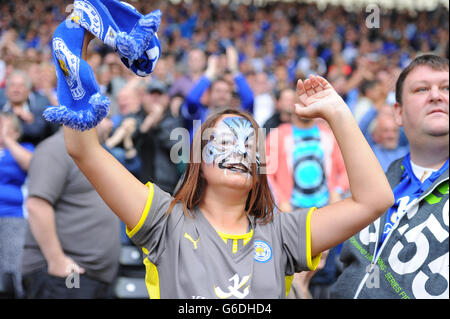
[(278, 43), (256, 51)]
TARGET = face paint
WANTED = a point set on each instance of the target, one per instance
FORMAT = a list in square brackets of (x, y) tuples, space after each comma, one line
[(232, 146)]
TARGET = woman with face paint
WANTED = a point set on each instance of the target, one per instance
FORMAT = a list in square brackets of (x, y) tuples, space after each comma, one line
[(220, 236)]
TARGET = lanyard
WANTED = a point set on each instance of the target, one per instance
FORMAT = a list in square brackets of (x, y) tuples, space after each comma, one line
[(409, 189)]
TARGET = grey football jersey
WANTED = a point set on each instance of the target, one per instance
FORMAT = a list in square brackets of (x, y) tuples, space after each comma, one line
[(185, 257)]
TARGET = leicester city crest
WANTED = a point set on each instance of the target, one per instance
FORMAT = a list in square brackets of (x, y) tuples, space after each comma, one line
[(263, 252)]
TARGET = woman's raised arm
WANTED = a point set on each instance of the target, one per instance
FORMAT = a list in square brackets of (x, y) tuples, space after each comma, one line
[(121, 191), (371, 194)]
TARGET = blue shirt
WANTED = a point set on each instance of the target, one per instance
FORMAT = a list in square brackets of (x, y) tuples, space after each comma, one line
[(409, 189), (310, 184), (192, 109), (12, 179), (387, 156)]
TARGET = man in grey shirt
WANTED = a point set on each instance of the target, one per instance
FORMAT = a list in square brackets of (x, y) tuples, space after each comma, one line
[(404, 254), (72, 244)]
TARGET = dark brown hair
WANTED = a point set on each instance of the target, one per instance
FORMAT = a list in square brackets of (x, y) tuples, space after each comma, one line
[(435, 62), (260, 202)]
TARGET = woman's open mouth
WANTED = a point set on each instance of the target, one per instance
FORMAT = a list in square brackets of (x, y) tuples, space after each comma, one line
[(235, 167)]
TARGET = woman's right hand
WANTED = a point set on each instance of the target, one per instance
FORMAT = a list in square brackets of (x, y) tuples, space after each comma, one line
[(317, 98)]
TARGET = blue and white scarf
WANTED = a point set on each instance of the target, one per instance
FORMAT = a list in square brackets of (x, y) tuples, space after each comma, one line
[(119, 25)]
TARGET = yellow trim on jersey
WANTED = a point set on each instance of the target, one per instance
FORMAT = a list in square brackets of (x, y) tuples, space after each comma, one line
[(313, 262), (245, 238), (288, 283), (151, 277), (148, 204)]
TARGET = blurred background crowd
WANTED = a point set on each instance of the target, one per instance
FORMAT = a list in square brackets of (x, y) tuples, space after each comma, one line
[(257, 52)]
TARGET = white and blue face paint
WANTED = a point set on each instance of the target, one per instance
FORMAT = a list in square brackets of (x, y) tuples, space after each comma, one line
[(232, 146)]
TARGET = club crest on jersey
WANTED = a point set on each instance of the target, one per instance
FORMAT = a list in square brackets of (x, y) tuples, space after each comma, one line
[(263, 251)]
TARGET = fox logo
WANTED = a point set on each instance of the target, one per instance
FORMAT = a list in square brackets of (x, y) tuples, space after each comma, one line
[(234, 290), (70, 66), (88, 17)]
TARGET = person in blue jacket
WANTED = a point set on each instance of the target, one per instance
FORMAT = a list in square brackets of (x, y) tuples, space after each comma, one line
[(220, 91), (15, 157), (387, 140)]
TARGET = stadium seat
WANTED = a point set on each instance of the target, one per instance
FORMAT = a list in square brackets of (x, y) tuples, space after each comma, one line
[(130, 283), (131, 288), (130, 262), (130, 256)]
